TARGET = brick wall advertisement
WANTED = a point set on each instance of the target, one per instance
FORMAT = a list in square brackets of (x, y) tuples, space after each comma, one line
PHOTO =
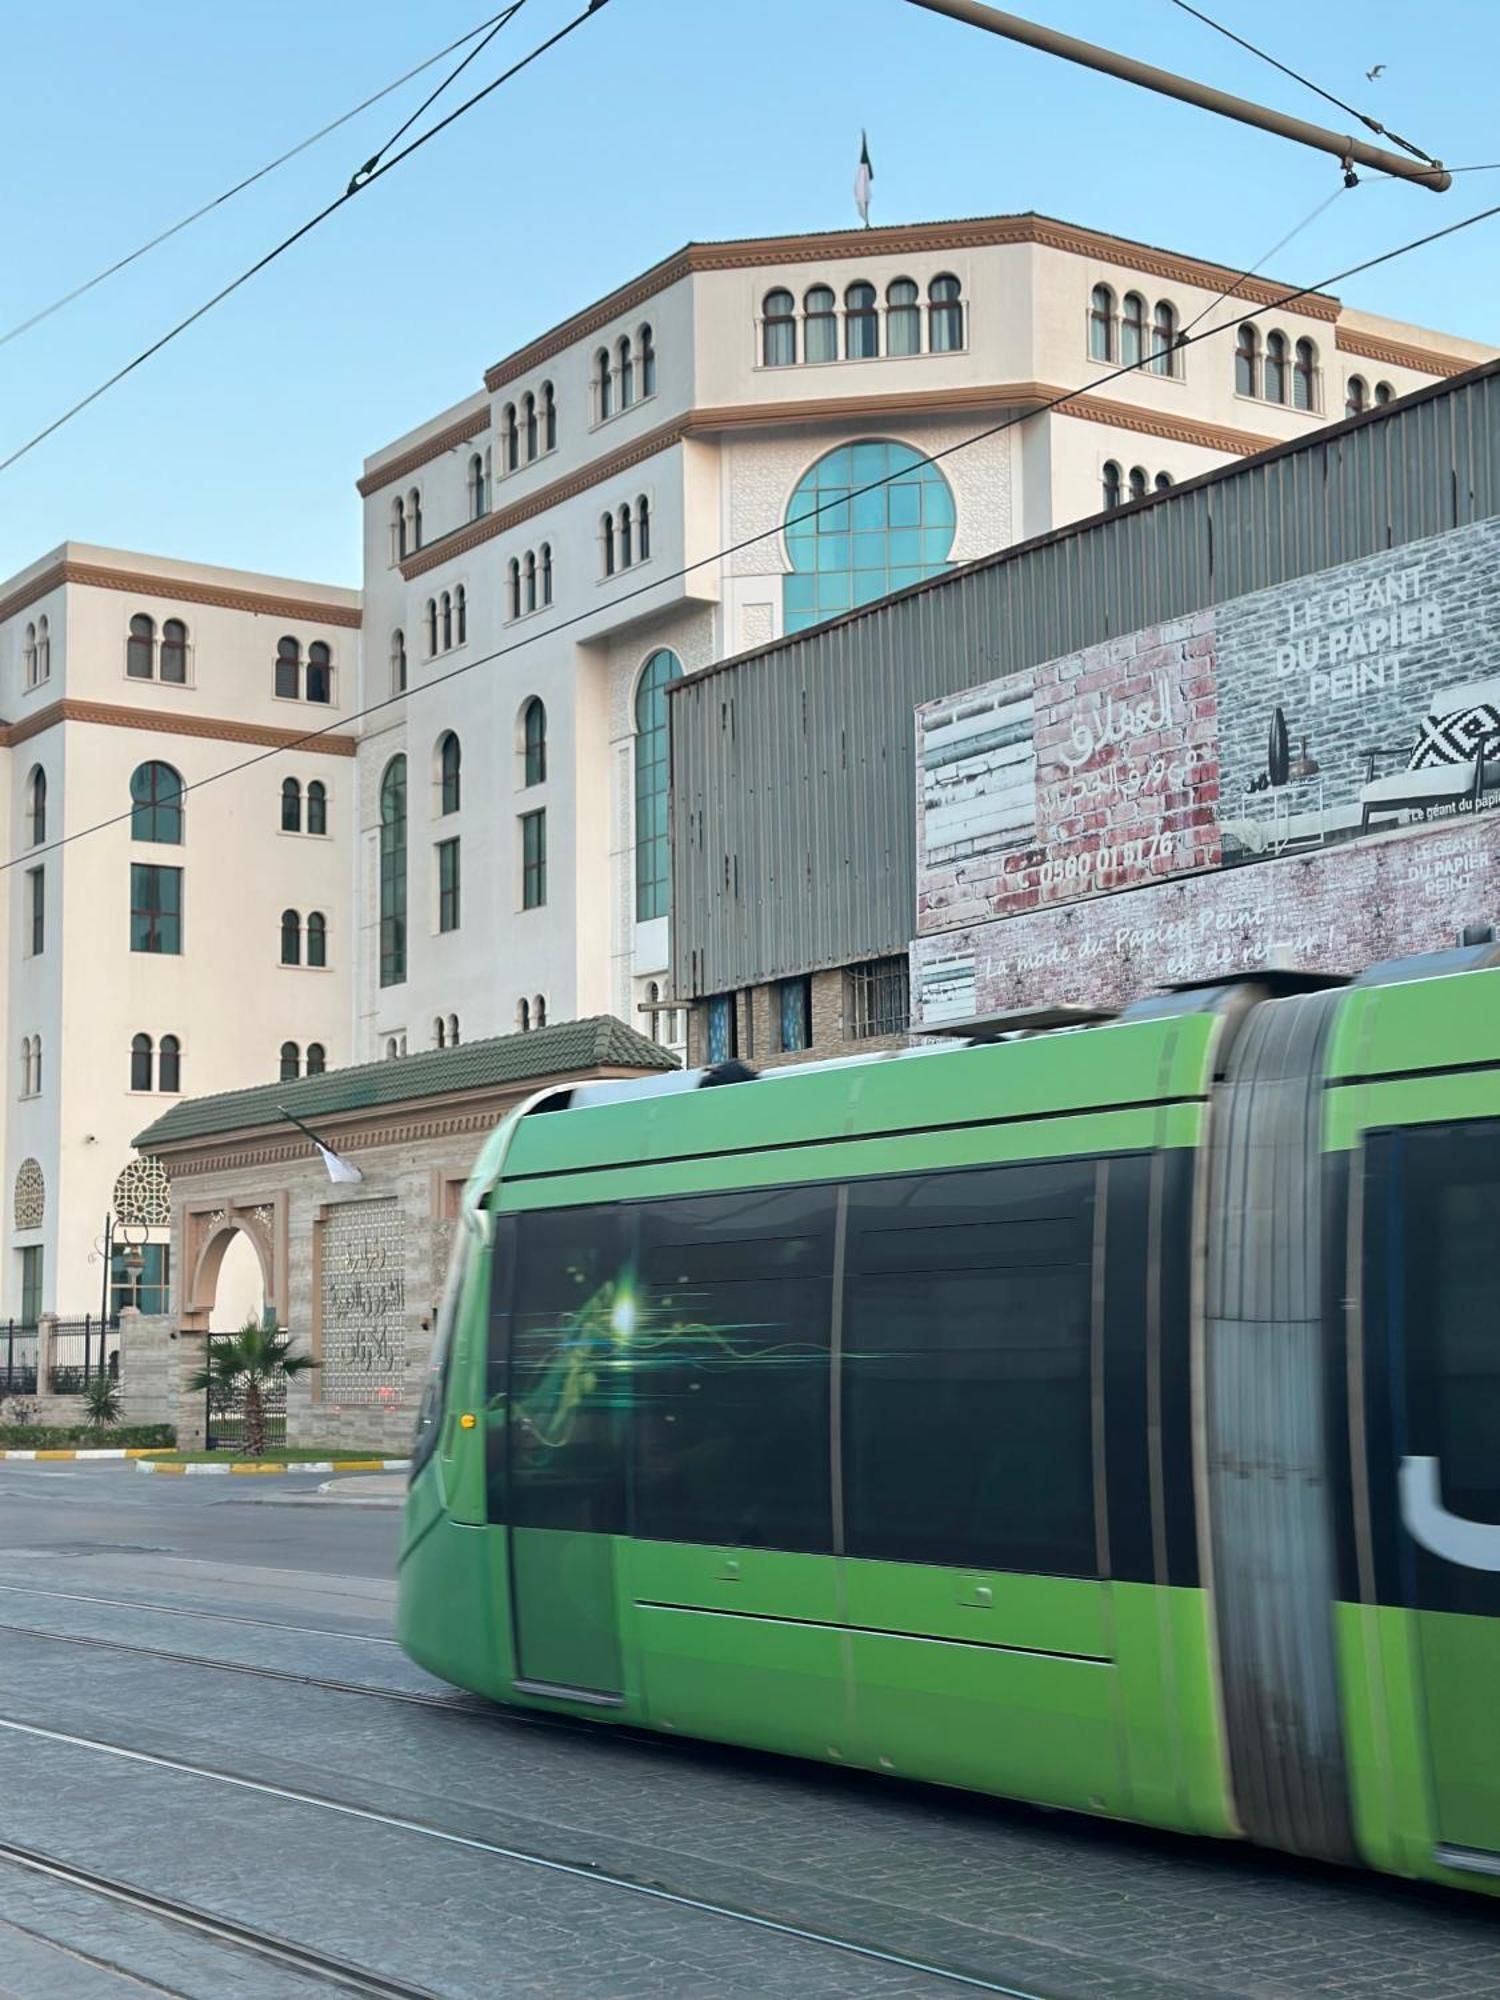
[(1278, 761)]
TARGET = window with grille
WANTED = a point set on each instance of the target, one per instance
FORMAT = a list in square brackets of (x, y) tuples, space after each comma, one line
[(877, 998)]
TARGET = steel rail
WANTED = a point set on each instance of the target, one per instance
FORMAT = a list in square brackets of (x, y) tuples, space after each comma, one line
[(184, 1611)]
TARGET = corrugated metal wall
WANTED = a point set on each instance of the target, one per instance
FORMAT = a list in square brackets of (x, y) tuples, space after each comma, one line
[(793, 769)]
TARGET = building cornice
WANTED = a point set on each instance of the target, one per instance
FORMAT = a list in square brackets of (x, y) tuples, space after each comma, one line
[(164, 722), (1401, 353), (1163, 424), (423, 453), (182, 590)]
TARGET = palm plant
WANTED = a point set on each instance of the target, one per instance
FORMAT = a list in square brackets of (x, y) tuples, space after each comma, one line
[(101, 1401), (248, 1363)]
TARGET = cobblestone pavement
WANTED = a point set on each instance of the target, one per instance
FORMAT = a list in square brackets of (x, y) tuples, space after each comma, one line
[(1050, 1905)]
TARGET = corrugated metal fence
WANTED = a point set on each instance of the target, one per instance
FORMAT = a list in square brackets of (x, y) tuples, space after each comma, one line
[(793, 769)]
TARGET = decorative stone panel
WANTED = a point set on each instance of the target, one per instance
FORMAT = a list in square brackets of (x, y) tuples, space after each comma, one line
[(143, 1195), (31, 1195), (362, 1303)]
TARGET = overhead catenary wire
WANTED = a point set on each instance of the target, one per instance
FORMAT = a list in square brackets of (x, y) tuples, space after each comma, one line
[(364, 172), (336, 726), (356, 187), (486, 28)]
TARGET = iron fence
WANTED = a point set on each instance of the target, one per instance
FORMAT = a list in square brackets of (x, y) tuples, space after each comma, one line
[(18, 1349), (224, 1425), (80, 1351)]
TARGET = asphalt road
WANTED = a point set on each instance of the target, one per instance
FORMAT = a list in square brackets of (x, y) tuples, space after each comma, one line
[(199, 1699)]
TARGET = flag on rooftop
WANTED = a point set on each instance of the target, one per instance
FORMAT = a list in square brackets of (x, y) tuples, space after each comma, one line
[(862, 179)]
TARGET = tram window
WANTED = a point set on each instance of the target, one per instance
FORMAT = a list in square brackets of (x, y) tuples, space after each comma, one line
[(967, 1374), (730, 1375)]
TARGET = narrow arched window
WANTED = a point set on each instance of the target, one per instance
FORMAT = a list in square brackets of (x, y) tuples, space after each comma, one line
[(398, 661), (431, 616), (648, 361), (1162, 481), (450, 766), (1305, 376), (44, 649), (26, 1065), (317, 938), (651, 775), (439, 1032), (945, 314), (36, 807), (820, 324), (604, 384), (1164, 339), (609, 544), (29, 656), (778, 334), (539, 1011), (140, 648), (476, 486), (626, 558), (398, 529), (1276, 368), (546, 572), (36, 1064), (513, 586), (393, 873), (1247, 362), (1140, 485), (510, 436), (392, 1049), (291, 806), (1356, 396), (642, 529), (461, 612), (531, 580), (140, 1062), (319, 672), (861, 322), (1101, 324), (523, 1014), (1112, 483), (414, 518), (291, 937), (317, 1059), (291, 1062), (156, 804), (549, 418), (453, 1031), (1384, 394), (317, 807), (169, 1068), (903, 317), (174, 649), (528, 419), (534, 739), (626, 372), (288, 668), (1133, 330), (447, 603)]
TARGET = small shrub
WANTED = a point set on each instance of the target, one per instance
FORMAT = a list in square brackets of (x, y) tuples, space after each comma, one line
[(58, 1437), (101, 1401)]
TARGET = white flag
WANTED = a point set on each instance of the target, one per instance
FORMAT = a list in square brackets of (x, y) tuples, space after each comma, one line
[(338, 1169), (862, 179)]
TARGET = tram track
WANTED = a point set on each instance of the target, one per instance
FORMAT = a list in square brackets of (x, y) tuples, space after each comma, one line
[(629, 1885), (193, 1611)]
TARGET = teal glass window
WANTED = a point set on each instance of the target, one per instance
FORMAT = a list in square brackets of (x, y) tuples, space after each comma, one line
[(652, 770), (148, 1288), (850, 546), (156, 804), (155, 909), (393, 873)]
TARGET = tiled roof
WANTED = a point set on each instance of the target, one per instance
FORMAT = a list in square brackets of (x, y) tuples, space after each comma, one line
[(601, 1042)]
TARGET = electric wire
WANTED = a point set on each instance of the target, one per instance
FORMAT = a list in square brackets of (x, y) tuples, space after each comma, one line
[(356, 187), (218, 201), (432, 97), (341, 723)]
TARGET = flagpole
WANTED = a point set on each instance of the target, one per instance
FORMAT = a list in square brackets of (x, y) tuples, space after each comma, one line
[(328, 1152)]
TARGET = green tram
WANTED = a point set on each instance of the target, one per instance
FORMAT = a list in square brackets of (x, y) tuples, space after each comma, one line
[(1108, 1418)]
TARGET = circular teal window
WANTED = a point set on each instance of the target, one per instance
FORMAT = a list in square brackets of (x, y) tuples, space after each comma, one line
[(849, 547)]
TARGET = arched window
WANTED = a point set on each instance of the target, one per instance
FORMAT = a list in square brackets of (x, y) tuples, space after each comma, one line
[(414, 518), (651, 775), (523, 1014), (861, 322), (1164, 339), (1140, 485), (1162, 481), (44, 649), (648, 361), (36, 1065), (317, 1059), (1247, 362), (604, 385), (291, 1062), (319, 672), (528, 419), (1305, 376), (317, 807), (140, 1062), (317, 938), (626, 372), (820, 324), (894, 534), (903, 317), (447, 604), (26, 1065), (778, 332), (1384, 394), (291, 937), (288, 668), (169, 1067), (29, 656), (1101, 324), (539, 1011), (510, 438), (291, 806), (439, 1032), (398, 661), (546, 572), (1276, 370), (476, 486), (1356, 396), (431, 617), (461, 612), (140, 648), (392, 1048), (530, 580), (393, 873), (1133, 331), (945, 314), (549, 418), (453, 1031), (1112, 483), (534, 741), (36, 807), (513, 586), (609, 544), (398, 529), (156, 804), (642, 529), (624, 532), (174, 651), (450, 760)]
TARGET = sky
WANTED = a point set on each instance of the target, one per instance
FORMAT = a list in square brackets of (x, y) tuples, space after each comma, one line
[(658, 122)]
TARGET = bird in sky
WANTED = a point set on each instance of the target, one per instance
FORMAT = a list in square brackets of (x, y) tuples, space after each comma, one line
[(1373, 75)]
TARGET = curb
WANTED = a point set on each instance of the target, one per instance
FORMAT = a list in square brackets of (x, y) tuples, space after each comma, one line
[(118, 1451), (264, 1467)]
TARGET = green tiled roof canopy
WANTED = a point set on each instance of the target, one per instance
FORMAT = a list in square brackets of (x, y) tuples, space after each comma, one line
[(600, 1042)]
